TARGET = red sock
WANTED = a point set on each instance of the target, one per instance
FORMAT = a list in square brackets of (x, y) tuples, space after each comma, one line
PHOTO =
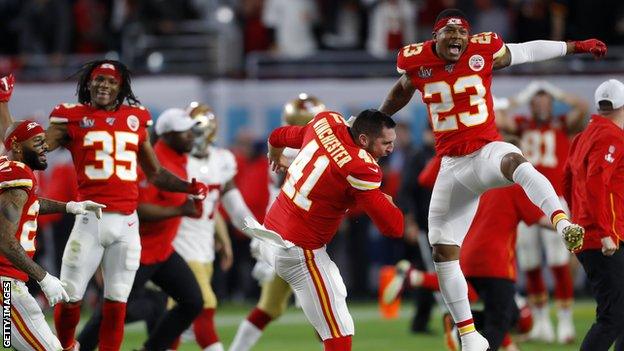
[(112, 328), (259, 318), (430, 281), (525, 320), (66, 318), (506, 340), (535, 282), (175, 344), (338, 344), (204, 328), (564, 289)]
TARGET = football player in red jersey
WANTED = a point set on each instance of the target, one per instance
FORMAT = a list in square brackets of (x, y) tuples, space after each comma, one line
[(335, 169), (107, 139), (19, 209), (454, 72), (545, 142)]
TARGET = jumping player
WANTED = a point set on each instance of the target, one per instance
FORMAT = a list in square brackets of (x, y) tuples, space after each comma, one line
[(453, 71)]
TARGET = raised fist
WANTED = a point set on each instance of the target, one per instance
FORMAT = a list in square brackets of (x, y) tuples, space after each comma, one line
[(6, 87), (593, 46)]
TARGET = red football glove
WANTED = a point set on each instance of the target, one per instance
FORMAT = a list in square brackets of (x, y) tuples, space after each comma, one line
[(593, 46), (199, 208), (197, 189), (6, 87)]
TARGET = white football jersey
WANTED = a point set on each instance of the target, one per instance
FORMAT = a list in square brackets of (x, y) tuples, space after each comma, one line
[(195, 239)]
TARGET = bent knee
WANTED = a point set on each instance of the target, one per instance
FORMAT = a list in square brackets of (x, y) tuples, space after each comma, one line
[(117, 292), (510, 162)]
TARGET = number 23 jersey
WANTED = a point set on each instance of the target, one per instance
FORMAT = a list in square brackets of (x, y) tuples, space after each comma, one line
[(457, 95), (104, 146)]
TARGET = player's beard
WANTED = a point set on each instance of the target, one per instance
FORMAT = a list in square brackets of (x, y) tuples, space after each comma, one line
[(33, 160)]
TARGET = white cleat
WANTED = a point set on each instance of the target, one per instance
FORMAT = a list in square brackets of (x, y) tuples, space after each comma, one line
[(474, 342), (542, 331), (392, 291), (565, 332)]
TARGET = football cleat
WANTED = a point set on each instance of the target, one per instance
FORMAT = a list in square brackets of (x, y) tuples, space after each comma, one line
[(573, 236), (451, 336), (395, 287), (565, 331)]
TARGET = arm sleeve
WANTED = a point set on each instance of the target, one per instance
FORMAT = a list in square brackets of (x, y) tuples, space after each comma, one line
[(602, 161), (387, 217), (535, 51), (288, 136), (529, 213)]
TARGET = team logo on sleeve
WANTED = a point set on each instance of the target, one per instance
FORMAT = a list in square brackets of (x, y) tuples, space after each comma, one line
[(133, 123), (609, 157), (476, 63)]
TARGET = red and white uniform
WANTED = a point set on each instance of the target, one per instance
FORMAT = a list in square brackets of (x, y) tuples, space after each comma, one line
[(104, 147), (329, 175), (29, 329), (461, 113), (546, 146)]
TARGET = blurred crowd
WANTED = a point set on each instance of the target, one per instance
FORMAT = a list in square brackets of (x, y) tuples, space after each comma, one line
[(49, 30)]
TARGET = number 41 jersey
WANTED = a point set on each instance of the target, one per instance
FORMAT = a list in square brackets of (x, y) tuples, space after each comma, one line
[(457, 94), (104, 146), (328, 176)]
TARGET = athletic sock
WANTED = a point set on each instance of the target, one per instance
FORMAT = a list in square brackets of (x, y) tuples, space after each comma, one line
[(250, 330), (454, 290), (535, 282), (564, 288), (112, 328), (204, 328), (66, 318), (539, 190), (338, 344)]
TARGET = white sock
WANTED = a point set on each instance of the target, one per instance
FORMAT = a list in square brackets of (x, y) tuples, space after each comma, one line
[(538, 188), (217, 346), (454, 289), (246, 337)]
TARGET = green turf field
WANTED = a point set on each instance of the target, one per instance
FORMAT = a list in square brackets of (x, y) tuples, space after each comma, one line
[(292, 332)]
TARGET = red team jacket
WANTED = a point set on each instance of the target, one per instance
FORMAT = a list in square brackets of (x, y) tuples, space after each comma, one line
[(104, 146), (157, 237), (329, 175), (546, 146), (18, 175), (594, 182), (457, 94)]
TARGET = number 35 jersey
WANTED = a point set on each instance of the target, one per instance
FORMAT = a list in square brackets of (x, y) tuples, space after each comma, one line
[(457, 95), (329, 175), (104, 146), (18, 175)]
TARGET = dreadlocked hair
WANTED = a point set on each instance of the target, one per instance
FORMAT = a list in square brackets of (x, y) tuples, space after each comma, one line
[(125, 89)]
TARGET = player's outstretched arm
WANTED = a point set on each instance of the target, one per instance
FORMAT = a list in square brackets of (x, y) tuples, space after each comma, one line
[(150, 212), (379, 207), (235, 205), (11, 206), (542, 50), (162, 178), (47, 206), (400, 94), (6, 89)]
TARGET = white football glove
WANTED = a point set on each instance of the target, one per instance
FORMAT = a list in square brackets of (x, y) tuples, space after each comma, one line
[(53, 289), (84, 207)]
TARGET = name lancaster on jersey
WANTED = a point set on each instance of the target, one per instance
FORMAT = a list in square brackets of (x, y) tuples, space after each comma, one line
[(457, 94), (17, 175), (331, 143), (104, 147)]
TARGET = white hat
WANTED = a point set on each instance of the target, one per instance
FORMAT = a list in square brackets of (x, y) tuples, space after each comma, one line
[(612, 91), (174, 120)]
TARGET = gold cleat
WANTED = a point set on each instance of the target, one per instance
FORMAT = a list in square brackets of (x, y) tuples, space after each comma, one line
[(573, 237)]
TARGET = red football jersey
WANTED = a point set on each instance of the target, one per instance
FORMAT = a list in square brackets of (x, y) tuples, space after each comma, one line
[(104, 146), (457, 95), (18, 175), (329, 175), (489, 249), (546, 146)]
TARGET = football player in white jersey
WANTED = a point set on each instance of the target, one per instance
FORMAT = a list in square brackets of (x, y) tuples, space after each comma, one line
[(275, 292), (195, 242)]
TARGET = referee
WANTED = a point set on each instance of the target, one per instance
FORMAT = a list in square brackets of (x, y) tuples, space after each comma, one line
[(594, 188)]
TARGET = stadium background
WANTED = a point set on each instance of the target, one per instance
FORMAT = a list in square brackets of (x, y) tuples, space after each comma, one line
[(221, 52)]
